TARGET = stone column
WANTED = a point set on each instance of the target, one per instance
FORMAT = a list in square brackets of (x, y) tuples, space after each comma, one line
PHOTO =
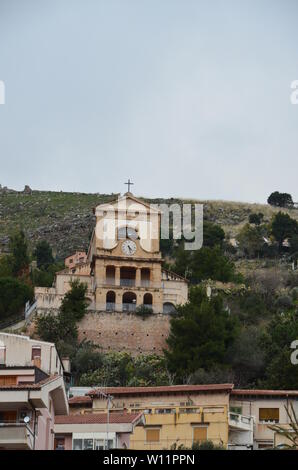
[(138, 277), (118, 300), (117, 275), (140, 296)]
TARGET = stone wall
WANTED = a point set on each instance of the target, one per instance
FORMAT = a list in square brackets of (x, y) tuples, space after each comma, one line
[(126, 332), (114, 331)]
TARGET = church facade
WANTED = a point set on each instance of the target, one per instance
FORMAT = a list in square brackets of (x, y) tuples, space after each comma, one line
[(123, 270)]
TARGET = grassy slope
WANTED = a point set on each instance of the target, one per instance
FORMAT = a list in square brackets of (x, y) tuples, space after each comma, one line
[(65, 219)]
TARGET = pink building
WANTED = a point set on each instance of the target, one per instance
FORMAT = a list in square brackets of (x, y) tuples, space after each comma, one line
[(32, 393), (96, 431), (78, 257)]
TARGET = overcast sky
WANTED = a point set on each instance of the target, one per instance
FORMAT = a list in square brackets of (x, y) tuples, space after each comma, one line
[(188, 98)]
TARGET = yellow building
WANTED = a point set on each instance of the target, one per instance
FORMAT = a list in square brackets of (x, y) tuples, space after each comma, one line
[(174, 415), (123, 269)]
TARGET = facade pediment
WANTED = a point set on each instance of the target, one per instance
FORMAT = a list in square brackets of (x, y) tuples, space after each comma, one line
[(133, 214), (127, 202)]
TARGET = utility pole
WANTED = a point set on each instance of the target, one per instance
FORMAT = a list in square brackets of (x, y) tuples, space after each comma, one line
[(109, 402)]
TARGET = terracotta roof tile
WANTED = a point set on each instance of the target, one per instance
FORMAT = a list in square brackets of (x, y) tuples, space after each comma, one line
[(30, 386), (161, 390), (80, 400), (97, 418), (285, 393)]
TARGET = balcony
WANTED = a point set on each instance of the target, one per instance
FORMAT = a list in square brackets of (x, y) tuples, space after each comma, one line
[(16, 436), (240, 422), (131, 283)]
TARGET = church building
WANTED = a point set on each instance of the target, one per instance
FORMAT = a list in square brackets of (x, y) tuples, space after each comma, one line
[(123, 269)]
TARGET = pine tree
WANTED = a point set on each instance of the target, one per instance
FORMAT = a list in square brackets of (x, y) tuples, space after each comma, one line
[(200, 335)]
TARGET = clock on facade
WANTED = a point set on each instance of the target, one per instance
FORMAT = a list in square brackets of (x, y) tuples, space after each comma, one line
[(129, 247)]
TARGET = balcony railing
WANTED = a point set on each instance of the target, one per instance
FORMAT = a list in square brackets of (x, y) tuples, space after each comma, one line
[(128, 307), (131, 283), (110, 306), (168, 443), (127, 282), (237, 421), (15, 435)]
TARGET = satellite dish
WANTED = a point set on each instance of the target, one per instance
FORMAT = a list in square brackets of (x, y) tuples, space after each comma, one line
[(26, 419)]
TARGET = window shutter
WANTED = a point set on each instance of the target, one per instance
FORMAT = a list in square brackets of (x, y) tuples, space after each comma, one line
[(8, 380), (200, 434), (36, 352), (36, 356), (269, 414), (10, 416), (152, 435)]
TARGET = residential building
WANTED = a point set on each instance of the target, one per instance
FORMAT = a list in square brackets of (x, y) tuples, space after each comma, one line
[(174, 415), (79, 257), (32, 392), (79, 391), (265, 407), (20, 350), (96, 431), (282, 442), (183, 414), (80, 405)]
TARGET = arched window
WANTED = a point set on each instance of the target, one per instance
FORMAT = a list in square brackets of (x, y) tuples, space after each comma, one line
[(148, 299), (168, 307), (110, 301), (129, 301)]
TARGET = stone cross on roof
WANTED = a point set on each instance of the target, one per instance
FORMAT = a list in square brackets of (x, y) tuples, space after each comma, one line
[(129, 184)]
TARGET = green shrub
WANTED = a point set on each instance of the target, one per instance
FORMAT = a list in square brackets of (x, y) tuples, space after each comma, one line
[(144, 311), (13, 296), (207, 445)]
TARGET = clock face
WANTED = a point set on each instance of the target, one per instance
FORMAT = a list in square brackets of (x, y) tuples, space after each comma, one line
[(129, 247)]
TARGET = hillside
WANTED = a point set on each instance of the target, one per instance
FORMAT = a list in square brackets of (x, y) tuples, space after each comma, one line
[(66, 220)]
